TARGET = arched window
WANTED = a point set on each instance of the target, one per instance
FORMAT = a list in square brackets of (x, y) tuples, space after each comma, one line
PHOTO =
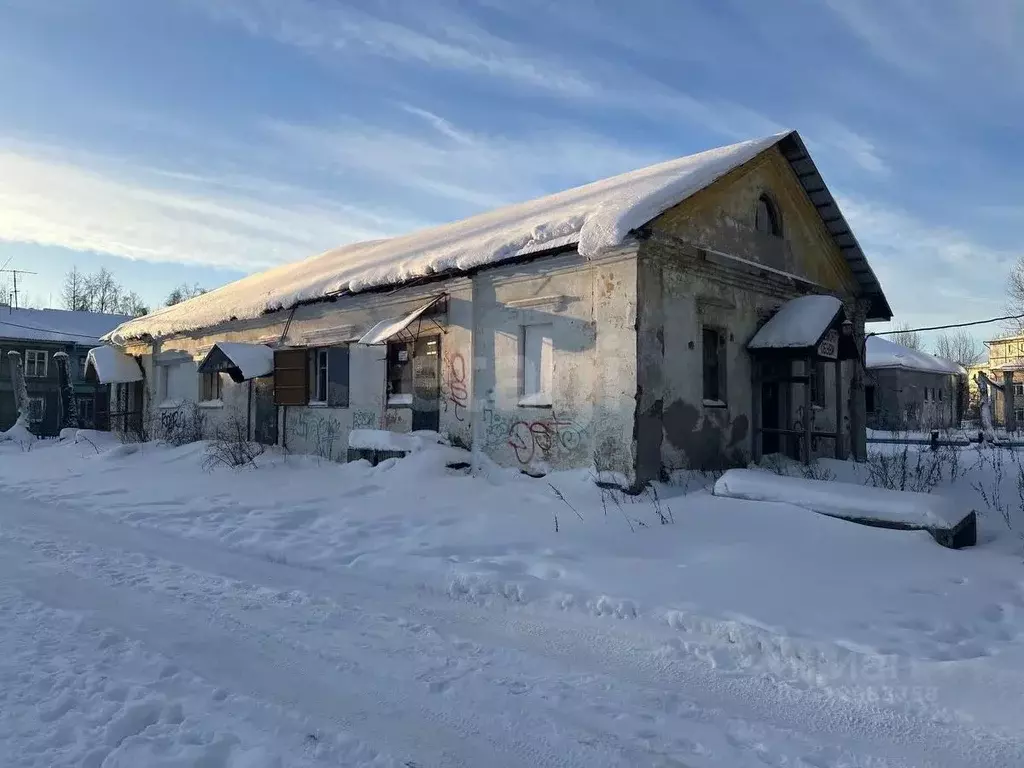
[(766, 220)]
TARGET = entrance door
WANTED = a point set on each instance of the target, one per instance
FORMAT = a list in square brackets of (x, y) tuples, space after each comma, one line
[(264, 411), (770, 417), (426, 383)]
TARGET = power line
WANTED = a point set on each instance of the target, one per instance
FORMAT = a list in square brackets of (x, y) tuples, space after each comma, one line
[(946, 327)]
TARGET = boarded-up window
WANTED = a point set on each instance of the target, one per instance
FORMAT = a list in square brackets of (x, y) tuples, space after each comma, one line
[(538, 365), (291, 378), (329, 375)]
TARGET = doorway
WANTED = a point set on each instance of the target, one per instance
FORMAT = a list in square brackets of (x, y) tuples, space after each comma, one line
[(426, 383), (264, 426)]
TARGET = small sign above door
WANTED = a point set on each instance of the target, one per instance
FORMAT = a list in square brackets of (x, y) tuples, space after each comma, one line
[(829, 346)]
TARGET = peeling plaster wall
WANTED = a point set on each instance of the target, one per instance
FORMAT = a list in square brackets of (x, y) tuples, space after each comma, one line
[(685, 290), (591, 306)]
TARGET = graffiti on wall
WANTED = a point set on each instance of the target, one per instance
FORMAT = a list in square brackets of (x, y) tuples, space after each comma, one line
[(365, 419), (544, 439), (320, 431), (454, 392)]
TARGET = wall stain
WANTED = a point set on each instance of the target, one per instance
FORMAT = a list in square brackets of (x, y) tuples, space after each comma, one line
[(712, 442)]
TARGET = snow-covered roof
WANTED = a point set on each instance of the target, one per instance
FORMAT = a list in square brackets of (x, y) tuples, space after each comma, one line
[(249, 361), (112, 366), (387, 329), (798, 324), (882, 353), (593, 217), (57, 325)]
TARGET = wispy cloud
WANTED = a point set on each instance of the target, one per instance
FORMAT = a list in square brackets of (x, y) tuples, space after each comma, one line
[(832, 137), (48, 200)]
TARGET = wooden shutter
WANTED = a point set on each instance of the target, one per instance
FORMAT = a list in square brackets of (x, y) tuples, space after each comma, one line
[(337, 373), (291, 377)]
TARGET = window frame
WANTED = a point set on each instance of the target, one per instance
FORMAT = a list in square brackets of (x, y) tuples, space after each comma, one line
[(537, 381), (35, 363), (211, 383), (718, 398), (319, 361), (80, 401), (399, 371)]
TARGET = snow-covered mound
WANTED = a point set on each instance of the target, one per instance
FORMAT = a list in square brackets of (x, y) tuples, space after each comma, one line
[(595, 216)]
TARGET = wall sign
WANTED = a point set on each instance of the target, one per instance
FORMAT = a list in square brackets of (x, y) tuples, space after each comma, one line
[(829, 346)]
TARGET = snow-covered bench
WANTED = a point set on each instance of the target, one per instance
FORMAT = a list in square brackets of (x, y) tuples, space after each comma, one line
[(949, 525)]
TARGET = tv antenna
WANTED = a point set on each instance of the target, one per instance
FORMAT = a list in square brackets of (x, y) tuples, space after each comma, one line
[(15, 272)]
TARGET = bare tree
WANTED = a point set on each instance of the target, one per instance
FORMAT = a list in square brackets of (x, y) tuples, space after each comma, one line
[(184, 292), (74, 294), (959, 347), (906, 337), (1015, 296)]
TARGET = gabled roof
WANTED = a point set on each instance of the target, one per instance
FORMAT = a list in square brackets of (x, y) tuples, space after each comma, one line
[(882, 353), (592, 218), (57, 325)]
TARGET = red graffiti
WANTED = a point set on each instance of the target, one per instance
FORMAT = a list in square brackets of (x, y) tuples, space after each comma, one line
[(454, 388), (527, 439)]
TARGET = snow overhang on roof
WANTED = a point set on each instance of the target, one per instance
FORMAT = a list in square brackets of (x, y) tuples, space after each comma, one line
[(388, 329), (800, 325), (109, 365), (592, 219), (240, 361)]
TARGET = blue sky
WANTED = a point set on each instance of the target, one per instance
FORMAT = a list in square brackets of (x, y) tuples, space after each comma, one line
[(198, 140)]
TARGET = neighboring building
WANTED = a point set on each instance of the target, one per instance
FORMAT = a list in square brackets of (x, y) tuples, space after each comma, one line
[(1001, 356), (607, 325), (911, 390), (37, 334)]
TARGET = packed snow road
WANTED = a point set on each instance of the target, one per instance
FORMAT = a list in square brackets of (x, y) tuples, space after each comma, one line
[(127, 646)]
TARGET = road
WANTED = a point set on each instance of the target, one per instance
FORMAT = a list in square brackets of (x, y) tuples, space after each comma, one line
[(214, 654)]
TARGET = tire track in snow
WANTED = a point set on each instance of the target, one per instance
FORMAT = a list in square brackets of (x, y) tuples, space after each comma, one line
[(598, 656)]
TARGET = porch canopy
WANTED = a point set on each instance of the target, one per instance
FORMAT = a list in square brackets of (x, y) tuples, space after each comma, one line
[(809, 329), (240, 361), (109, 365), (396, 326)]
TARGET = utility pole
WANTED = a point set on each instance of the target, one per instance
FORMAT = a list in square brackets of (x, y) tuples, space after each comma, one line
[(16, 272)]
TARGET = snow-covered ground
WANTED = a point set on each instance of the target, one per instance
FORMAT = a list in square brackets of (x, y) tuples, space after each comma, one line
[(305, 613)]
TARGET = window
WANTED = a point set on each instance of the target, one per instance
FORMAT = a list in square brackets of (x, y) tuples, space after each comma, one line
[(817, 384), (869, 399), (36, 408), (926, 391), (164, 380), (1018, 390), (1018, 414), (714, 366), (400, 372), (329, 374), (86, 411), (766, 219), (35, 363), (82, 361), (209, 387), (538, 355)]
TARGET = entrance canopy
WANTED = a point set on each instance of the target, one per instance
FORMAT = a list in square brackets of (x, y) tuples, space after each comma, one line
[(109, 365), (385, 330), (808, 326), (240, 361)]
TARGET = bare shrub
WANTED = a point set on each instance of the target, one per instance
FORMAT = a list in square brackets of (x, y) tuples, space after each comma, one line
[(182, 425), (991, 457), (919, 471), (231, 446)]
